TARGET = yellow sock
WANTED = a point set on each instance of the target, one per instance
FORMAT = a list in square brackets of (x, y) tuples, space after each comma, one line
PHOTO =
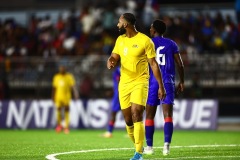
[(66, 119), (130, 132), (139, 136), (59, 117)]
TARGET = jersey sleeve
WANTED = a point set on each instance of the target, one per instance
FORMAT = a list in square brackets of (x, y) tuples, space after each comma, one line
[(175, 48), (54, 82), (150, 50), (116, 47)]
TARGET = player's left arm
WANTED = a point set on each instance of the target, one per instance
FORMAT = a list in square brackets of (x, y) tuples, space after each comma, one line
[(53, 93), (180, 69), (74, 90), (54, 83)]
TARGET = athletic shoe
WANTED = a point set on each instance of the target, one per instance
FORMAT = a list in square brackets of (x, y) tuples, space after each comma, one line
[(148, 150), (58, 128), (107, 135), (66, 130), (137, 156), (166, 149)]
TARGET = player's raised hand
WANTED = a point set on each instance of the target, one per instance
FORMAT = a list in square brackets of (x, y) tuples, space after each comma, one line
[(111, 62)]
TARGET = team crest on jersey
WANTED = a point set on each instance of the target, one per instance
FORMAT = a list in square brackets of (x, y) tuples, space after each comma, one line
[(135, 46)]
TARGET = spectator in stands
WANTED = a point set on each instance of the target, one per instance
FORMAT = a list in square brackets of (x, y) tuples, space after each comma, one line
[(4, 87), (207, 31), (108, 19), (218, 45), (108, 42), (60, 24), (237, 8), (44, 38), (87, 20)]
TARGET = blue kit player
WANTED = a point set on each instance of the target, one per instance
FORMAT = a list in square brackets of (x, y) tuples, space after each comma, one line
[(167, 54), (115, 103)]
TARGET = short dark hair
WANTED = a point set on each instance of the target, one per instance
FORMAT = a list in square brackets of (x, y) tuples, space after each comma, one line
[(159, 26), (130, 18)]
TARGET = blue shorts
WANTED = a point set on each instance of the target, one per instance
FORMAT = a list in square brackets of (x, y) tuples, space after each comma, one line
[(115, 104), (153, 94)]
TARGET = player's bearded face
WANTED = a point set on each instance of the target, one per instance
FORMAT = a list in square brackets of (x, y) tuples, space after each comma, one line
[(122, 30)]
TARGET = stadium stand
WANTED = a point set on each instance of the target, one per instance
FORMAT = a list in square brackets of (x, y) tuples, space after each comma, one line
[(33, 42)]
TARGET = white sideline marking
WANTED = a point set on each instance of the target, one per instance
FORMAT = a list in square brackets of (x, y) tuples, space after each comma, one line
[(53, 156)]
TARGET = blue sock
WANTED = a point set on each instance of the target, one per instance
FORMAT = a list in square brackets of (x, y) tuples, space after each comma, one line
[(110, 126), (149, 131), (168, 129)]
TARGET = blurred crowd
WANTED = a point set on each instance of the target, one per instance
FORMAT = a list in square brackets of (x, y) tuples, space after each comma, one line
[(92, 30)]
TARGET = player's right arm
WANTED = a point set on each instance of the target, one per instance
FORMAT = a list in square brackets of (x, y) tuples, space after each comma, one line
[(157, 74), (112, 60)]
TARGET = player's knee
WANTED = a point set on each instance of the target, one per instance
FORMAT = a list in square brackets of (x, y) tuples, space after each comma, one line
[(167, 115), (113, 119), (150, 111), (129, 121), (137, 117), (150, 116)]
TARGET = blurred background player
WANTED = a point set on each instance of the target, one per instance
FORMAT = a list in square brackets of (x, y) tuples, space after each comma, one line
[(62, 90), (115, 103), (167, 52)]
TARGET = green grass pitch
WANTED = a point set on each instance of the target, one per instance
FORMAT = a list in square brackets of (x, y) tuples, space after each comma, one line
[(88, 145)]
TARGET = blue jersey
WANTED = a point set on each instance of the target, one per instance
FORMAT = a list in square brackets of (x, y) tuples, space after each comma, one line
[(115, 100), (165, 50), (116, 78)]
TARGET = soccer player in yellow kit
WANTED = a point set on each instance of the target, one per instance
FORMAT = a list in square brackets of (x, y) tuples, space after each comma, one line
[(135, 51), (63, 88)]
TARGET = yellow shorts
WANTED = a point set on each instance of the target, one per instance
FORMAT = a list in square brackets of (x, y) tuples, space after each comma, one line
[(133, 93), (62, 102)]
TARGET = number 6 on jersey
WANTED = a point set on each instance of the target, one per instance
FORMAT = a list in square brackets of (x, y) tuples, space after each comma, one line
[(160, 57)]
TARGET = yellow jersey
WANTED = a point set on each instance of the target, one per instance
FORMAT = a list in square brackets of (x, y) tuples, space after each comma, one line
[(63, 84), (134, 53)]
